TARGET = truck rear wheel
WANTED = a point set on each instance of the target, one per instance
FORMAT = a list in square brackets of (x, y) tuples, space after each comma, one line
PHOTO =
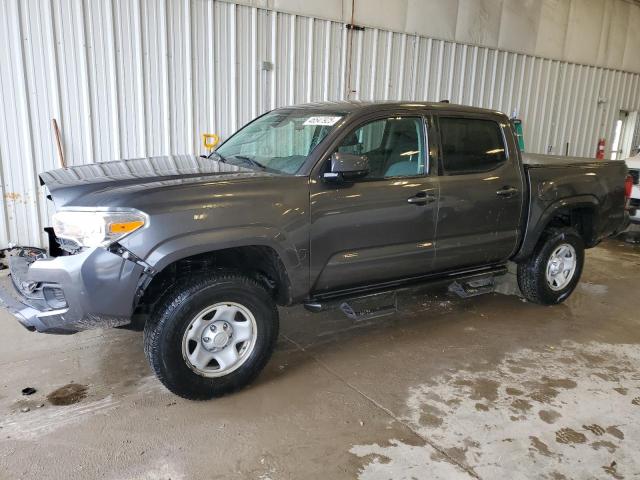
[(211, 335), (550, 275)]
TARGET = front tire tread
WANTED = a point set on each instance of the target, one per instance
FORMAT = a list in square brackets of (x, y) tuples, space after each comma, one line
[(167, 318)]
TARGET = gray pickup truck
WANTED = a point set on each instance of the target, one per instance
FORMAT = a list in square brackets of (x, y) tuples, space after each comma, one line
[(304, 205)]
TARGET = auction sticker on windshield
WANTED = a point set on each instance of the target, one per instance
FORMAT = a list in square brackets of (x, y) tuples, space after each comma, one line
[(321, 120)]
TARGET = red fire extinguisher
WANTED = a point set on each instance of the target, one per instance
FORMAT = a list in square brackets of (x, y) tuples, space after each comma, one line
[(600, 151)]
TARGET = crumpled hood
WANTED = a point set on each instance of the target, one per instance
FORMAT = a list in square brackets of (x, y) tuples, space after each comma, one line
[(110, 184)]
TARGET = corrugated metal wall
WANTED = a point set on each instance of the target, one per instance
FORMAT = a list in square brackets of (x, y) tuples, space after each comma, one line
[(635, 141), (138, 78)]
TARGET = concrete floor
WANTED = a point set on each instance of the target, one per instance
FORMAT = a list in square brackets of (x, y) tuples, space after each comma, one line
[(489, 387)]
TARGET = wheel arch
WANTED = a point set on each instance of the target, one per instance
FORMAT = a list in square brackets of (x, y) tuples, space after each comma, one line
[(579, 212), (258, 255)]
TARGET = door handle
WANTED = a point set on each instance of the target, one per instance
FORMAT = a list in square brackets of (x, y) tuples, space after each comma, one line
[(422, 198), (507, 192)]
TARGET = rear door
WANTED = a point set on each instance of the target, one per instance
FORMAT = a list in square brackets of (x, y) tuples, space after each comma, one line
[(380, 227), (481, 191)]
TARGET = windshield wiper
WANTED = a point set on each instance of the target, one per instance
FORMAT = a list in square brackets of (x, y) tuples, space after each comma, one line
[(251, 161), (220, 157)]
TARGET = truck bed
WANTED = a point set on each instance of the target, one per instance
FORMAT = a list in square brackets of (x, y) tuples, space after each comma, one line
[(534, 160), (595, 186)]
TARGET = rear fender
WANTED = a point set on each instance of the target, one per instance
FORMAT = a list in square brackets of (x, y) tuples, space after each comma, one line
[(535, 226)]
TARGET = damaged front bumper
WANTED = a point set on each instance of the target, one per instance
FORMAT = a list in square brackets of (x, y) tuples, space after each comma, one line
[(94, 288)]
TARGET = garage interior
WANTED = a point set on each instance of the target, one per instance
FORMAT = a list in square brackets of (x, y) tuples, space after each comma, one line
[(442, 387)]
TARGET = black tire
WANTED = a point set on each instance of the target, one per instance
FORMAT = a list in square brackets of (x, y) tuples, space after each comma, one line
[(165, 329), (532, 278)]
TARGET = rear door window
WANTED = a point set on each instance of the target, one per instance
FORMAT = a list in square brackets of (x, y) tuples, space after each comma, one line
[(471, 145)]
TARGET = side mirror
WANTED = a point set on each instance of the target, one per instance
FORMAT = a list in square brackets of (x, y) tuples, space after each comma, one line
[(346, 167)]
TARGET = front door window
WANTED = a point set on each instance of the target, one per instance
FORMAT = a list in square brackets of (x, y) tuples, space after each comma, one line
[(394, 147)]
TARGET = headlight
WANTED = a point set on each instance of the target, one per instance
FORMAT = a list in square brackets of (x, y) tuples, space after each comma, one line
[(93, 229)]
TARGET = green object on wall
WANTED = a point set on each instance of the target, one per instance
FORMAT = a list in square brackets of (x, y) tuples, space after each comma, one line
[(517, 125)]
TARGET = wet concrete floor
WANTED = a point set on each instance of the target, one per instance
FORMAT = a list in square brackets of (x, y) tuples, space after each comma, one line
[(488, 387)]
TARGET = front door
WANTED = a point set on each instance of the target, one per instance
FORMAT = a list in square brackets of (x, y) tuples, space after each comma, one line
[(481, 193), (380, 227)]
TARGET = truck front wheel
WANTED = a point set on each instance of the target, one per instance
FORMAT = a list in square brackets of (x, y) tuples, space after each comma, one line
[(550, 275), (211, 335)]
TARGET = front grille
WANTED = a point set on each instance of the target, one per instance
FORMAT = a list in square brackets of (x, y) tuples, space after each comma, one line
[(19, 261), (635, 174), (634, 202)]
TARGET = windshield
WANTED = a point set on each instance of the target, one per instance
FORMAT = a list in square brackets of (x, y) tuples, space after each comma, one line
[(279, 141)]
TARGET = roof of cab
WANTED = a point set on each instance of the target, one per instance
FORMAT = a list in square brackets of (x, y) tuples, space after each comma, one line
[(355, 106)]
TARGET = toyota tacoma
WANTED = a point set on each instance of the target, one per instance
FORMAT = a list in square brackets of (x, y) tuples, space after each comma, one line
[(304, 205)]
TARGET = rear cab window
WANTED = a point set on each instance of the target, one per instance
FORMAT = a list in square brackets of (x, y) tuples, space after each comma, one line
[(470, 145)]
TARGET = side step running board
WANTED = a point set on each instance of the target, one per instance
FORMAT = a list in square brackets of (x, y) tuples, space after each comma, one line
[(360, 305), (473, 288), (371, 306), (360, 308)]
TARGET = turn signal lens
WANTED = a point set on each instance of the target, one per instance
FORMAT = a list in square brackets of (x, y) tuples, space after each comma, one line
[(125, 227)]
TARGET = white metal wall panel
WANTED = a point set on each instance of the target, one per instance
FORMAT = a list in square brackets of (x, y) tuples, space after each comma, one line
[(20, 214), (635, 140), (140, 78)]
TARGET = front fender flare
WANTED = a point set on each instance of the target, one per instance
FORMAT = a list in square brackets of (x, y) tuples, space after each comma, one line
[(195, 243)]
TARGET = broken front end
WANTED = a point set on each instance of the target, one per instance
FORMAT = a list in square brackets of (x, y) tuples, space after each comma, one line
[(92, 288)]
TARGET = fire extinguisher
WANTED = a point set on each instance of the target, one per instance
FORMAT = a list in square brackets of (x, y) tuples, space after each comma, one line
[(600, 151)]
